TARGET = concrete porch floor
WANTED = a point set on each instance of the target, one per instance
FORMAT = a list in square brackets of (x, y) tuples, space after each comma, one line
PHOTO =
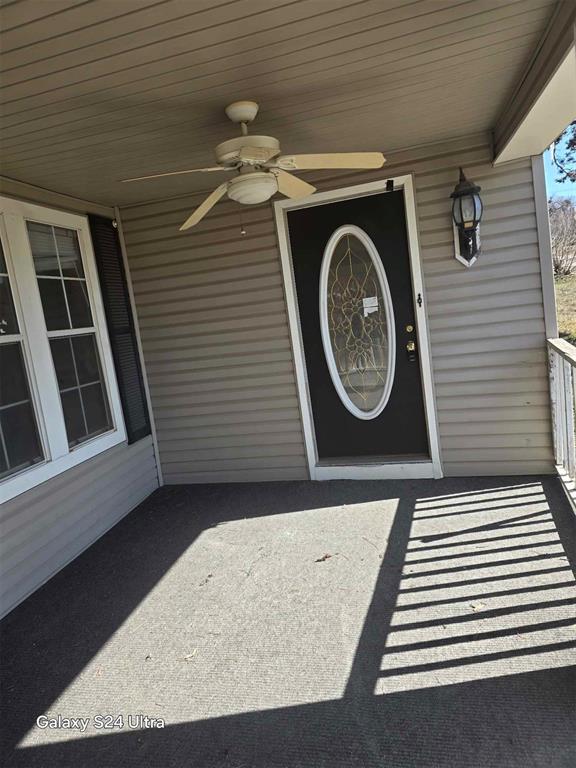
[(327, 625)]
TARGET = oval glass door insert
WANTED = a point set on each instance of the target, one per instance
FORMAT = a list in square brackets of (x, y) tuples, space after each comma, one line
[(357, 322)]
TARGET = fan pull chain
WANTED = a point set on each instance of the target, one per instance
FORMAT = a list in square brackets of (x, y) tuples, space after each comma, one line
[(242, 230)]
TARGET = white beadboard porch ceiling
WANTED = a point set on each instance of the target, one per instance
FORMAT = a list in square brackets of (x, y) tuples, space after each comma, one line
[(97, 90)]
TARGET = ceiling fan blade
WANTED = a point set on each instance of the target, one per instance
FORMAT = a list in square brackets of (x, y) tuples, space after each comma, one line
[(351, 160), (179, 173), (203, 209), (292, 186)]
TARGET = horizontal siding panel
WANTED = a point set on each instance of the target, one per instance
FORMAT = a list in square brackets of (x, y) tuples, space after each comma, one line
[(212, 302), (472, 321), (481, 442), (503, 415), (237, 464), (513, 342), (442, 299), (273, 409), (216, 454), (530, 453), (477, 468), (185, 429), (230, 442), (482, 375), (211, 254), (495, 359), (498, 400), (234, 476), (47, 527), (481, 388), (202, 381), (494, 428), (216, 346)]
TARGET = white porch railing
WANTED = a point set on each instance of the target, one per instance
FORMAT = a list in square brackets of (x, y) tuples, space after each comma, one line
[(563, 395)]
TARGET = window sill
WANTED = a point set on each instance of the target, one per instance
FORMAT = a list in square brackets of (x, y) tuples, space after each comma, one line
[(40, 473)]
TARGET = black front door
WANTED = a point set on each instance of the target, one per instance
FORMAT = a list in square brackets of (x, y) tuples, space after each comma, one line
[(359, 334)]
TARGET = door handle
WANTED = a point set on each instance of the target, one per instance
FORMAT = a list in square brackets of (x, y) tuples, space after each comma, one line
[(411, 351)]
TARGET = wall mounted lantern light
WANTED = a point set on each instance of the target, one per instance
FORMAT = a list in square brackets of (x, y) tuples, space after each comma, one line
[(466, 213)]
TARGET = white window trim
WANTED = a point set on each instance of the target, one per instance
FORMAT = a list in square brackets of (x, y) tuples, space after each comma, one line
[(35, 341)]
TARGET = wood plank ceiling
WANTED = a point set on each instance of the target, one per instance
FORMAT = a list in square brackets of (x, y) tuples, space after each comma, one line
[(96, 90)]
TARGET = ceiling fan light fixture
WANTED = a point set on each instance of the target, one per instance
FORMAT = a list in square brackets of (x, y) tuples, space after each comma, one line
[(253, 188)]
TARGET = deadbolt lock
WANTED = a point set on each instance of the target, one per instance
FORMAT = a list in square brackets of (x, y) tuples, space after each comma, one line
[(409, 328)]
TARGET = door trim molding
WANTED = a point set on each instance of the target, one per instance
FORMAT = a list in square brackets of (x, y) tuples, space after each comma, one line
[(363, 470)]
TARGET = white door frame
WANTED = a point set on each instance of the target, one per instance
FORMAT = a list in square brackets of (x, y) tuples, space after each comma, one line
[(361, 471)]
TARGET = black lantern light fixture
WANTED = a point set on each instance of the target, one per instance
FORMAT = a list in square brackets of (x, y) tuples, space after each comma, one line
[(467, 213)]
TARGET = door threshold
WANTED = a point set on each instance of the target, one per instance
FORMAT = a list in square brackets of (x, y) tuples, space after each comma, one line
[(411, 470), (369, 461)]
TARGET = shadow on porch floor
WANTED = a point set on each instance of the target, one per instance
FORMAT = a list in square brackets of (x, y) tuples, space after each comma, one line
[(415, 623)]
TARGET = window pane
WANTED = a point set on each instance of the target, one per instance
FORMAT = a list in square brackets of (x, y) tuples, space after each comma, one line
[(69, 252), (63, 363), (13, 385), (86, 359), (82, 390), (19, 440), (53, 304), (3, 462), (20, 436), (43, 248), (8, 323), (95, 409), (75, 428), (77, 292)]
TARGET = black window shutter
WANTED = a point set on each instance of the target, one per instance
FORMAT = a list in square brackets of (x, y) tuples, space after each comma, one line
[(120, 322)]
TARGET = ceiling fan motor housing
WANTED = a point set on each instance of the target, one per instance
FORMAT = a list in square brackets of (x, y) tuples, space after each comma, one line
[(228, 152)]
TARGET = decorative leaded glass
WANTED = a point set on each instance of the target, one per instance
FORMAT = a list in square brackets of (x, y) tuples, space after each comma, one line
[(357, 322)]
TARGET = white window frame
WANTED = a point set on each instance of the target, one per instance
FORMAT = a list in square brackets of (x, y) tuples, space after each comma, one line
[(35, 340)]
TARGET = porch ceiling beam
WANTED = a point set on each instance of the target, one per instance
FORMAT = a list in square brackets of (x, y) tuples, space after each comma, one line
[(21, 190), (544, 102)]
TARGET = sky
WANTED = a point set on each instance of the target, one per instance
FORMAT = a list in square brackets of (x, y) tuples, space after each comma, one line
[(554, 188)]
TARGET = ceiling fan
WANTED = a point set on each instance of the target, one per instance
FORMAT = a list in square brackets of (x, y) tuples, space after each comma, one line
[(260, 169)]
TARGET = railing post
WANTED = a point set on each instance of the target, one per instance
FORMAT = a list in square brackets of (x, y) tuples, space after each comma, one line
[(570, 458), (554, 360)]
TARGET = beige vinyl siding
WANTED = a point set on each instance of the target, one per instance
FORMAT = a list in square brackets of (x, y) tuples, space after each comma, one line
[(45, 528), (215, 330), (215, 336)]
